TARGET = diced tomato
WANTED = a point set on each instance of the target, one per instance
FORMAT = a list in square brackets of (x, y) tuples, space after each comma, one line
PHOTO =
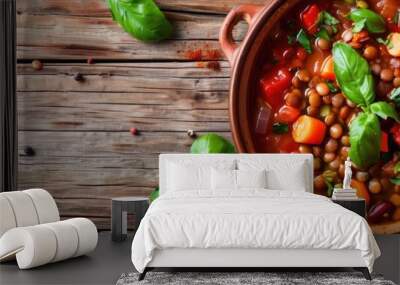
[(283, 143), (301, 53), (287, 114), (308, 130), (309, 18), (273, 84), (384, 142), (362, 191), (283, 53), (327, 71), (393, 27), (395, 131)]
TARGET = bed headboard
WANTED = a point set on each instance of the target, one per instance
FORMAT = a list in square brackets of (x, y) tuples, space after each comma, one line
[(213, 158)]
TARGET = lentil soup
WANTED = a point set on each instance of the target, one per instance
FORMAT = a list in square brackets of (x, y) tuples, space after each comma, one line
[(329, 84)]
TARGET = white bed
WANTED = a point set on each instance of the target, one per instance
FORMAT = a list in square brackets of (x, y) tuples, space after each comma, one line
[(273, 226)]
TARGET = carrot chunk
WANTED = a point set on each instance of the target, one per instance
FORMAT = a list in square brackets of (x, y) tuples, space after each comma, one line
[(308, 130)]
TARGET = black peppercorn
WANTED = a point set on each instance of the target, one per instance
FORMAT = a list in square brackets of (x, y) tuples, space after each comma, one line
[(79, 77)]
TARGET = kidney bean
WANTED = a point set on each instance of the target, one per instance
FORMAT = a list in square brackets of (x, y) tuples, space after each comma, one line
[(377, 211)]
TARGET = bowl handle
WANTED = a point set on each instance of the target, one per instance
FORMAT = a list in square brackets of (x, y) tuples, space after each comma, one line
[(245, 12)]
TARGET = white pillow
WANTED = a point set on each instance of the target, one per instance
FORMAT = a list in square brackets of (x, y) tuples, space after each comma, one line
[(251, 178), (223, 179), (229, 180), (282, 174), (183, 178), (183, 175)]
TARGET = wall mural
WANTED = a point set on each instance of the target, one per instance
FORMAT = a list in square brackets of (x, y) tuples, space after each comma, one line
[(97, 106)]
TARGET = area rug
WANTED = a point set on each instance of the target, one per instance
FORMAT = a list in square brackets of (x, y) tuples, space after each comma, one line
[(243, 278)]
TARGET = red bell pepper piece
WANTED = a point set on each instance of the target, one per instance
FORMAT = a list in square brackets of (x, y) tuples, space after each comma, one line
[(273, 84), (395, 131), (384, 142), (310, 18)]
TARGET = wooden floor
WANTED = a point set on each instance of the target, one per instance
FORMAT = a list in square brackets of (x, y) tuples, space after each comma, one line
[(103, 266)]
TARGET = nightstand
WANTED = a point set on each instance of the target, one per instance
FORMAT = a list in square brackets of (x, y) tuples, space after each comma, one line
[(357, 206), (120, 207)]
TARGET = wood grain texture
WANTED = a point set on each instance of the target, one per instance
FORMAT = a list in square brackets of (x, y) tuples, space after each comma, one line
[(79, 130), (48, 30)]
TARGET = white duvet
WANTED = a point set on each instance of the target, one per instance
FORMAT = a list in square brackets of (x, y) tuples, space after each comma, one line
[(250, 219)]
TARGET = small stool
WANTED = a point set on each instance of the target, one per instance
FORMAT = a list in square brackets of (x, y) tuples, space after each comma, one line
[(120, 208)]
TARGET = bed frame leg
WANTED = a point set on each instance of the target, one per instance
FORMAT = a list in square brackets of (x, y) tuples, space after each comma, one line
[(143, 274), (365, 272)]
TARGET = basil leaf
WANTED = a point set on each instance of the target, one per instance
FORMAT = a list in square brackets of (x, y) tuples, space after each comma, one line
[(353, 75), (396, 17), (332, 87), (212, 143), (323, 34), (384, 110), (358, 26), (291, 39), (395, 181), (395, 96), (397, 168), (327, 19), (365, 140), (154, 194), (141, 18), (373, 21), (304, 40), (279, 128)]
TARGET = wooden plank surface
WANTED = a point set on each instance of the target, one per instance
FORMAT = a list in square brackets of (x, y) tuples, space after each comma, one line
[(57, 29), (79, 130)]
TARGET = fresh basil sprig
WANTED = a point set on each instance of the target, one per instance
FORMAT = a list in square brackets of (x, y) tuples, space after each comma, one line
[(325, 18), (323, 34), (355, 79), (141, 18), (353, 74), (372, 21), (212, 143), (384, 110), (304, 40), (395, 96), (365, 140)]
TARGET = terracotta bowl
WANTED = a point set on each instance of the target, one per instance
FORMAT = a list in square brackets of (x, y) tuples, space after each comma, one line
[(243, 59)]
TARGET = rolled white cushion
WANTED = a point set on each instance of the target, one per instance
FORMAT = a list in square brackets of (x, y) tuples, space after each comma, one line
[(7, 218), (33, 246), (45, 205), (87, 235), (37, 245), (23, 208), (66, 238)]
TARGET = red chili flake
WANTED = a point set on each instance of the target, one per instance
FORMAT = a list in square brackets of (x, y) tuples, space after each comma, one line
[(134, 131), (90, 60), (200, 64), (214, 65), (213, 54), (194, 54)]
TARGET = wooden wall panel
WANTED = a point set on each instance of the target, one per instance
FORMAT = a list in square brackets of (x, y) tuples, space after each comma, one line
[(79, 130)]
